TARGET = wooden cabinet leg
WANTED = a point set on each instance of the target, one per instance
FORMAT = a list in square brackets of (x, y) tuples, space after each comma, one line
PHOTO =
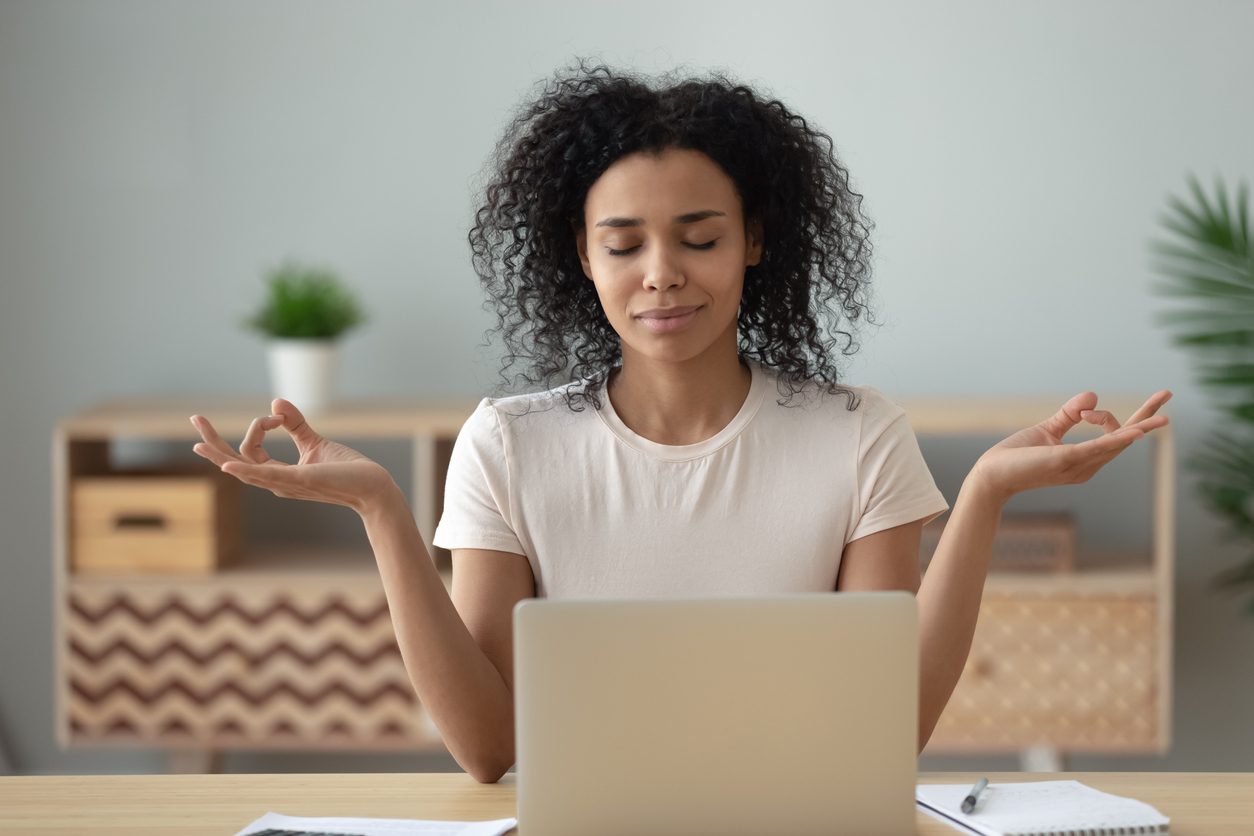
[(424, 488), (194, 761), (1042, 759)]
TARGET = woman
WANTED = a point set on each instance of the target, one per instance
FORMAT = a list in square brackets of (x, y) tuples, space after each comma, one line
[(669, 254)]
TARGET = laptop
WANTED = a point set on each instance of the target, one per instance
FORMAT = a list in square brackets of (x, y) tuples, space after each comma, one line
[(793, 714)]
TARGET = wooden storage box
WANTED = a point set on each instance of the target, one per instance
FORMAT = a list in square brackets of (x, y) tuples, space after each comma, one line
[(1028, 542), (171, 521)]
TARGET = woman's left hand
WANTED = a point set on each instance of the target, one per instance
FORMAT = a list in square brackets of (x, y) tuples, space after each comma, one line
[(1037, 458)]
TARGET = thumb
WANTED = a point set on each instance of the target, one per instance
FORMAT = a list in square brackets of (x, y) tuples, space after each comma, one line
[(295, 424), (1069, 415)]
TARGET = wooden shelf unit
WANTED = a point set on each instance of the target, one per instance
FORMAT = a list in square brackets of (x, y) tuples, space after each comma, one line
[(1072, 662)]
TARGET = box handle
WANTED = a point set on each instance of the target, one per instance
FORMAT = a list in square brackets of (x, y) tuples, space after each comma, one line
[(131, 521)]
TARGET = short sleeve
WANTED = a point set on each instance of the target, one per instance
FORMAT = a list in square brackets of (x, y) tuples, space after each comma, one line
[(477, 512), (894, 483)]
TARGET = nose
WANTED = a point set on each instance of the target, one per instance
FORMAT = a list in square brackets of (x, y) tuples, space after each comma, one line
[(661, 272)]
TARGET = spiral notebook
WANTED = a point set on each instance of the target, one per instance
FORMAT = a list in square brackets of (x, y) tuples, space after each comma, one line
[(1030, 808)]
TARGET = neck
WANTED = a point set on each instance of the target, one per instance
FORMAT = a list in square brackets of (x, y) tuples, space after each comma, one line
[(682, 402)]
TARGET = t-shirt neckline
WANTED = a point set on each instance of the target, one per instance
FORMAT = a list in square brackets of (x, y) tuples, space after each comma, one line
[(682, 452)]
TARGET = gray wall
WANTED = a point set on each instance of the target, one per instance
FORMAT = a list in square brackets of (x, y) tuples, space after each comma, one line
[(156, 156)]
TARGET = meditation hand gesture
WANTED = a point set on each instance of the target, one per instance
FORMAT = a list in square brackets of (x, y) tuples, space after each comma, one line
[(327, 471), (1037, 458)]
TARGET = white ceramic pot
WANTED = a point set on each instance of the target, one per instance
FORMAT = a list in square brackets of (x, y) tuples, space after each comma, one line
[(303, 371)]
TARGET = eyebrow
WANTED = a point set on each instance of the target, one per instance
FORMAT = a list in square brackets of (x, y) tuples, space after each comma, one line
[(691, 217)]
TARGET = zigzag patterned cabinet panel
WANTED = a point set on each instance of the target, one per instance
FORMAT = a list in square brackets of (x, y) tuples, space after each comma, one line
[(247, 667), (290, 646)]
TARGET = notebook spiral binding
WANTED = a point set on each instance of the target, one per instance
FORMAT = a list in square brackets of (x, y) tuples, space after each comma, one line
[(1099, 831)]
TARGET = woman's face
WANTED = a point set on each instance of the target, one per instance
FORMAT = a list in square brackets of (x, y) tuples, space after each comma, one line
[(668, 232)]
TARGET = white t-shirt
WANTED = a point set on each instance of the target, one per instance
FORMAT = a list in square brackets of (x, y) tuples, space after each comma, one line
[(764, 506)]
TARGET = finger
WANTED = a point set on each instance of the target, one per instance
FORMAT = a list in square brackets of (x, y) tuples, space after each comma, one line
[(1113, 441), (214, 447), (1086, 458), (1121, 439), (284, 481), (1101, 450), (1069, 414), (296, 425), (1151, 405), (1151, 423), (211, 453), (274, 479), (1145, 425), (1102, 418), (252, 449), (1108, 422), (1112, 445)]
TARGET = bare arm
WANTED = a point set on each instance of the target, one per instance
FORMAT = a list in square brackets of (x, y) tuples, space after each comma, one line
[(948, 595), (458, 655), (456, 650)]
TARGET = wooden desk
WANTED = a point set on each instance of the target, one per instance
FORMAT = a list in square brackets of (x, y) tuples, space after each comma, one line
[(1198, 803)]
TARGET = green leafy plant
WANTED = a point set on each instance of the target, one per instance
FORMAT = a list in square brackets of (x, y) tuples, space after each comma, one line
[(305, 303), (1212, 264)]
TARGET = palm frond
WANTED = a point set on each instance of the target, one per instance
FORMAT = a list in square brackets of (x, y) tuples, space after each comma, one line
[(1210, 263), (1240, 575), (1195, 221), (1228, 374), (1219, 339), (1216, 318), (1196, 284), (1206, 253), (1243, 213)]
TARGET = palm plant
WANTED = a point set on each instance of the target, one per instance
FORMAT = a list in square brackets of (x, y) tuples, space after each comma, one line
[(1212, 264)]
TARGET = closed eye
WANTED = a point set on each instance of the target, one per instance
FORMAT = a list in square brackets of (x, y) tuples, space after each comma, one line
[(709, 245)]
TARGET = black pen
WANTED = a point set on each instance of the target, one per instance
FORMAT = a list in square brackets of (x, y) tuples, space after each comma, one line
[(968, 803)]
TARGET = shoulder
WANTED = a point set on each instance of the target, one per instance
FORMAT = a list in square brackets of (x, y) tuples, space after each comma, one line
[(876, 405), (851, 416), (530, 410), (843, 402)]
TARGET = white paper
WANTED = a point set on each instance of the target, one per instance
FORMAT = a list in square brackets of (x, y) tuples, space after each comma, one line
[(956, 825), (1042, 807), (380, 827)]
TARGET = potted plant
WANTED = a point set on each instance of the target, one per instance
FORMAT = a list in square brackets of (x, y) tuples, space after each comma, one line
[(1213, 266), (306, 311)]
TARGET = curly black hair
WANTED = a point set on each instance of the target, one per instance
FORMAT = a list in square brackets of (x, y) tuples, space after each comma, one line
[(523, 244)]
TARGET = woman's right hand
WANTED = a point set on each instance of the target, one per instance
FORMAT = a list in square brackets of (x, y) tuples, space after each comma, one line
[(327, 471)]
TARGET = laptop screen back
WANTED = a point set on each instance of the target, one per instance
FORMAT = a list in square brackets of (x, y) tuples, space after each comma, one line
[(790, 714)]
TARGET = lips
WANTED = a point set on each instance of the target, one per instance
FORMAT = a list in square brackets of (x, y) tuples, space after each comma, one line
[(667, 313), (665, 324)]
